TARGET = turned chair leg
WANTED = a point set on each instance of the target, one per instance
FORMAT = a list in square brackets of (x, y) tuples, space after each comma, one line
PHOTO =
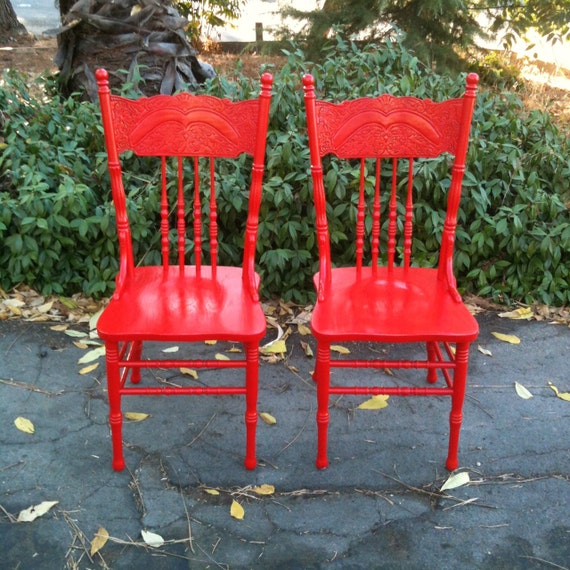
[(457, 398), (115, 414), (251, 382), (322, 377)]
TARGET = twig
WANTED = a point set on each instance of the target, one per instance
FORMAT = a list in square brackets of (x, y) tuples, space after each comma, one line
[(298, 434), (30, 387), (10, 516), (551, 564), (201, 431)]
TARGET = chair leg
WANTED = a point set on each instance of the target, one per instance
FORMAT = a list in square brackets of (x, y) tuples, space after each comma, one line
[(115, 415), (432, 357), (136, 353), (456, 416), (251, 384), (322, 377)]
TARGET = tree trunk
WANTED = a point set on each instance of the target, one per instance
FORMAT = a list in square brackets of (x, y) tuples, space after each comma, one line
[(9, 24), (144, 38)]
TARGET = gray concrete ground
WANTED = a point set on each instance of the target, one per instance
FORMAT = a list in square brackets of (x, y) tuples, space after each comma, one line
[(377, 506)]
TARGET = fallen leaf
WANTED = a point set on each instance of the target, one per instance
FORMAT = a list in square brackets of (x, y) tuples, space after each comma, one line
[(75, 334), (25, 425), (511, 338), (562, 395), (264, 490), (152, 539), (522, 391), (340, 349), (13, 303), (293, 368), (275, 347), (32, 513), (59, 328), (518, 314), (220, 356), (375, 403), (236, 510), (235, 349), (99, 540), (171, 349), (89, 369), (456, 480), (190, 372), (136, 416), (95, 319), (210, 342), (484, 351), (45, 308), (304, 330), (80, 345), (307, 349), (212, 491), (267, 418), (92, 355)]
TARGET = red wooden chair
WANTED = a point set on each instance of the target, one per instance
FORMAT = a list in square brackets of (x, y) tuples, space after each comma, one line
[(391, 300), (178, 301)]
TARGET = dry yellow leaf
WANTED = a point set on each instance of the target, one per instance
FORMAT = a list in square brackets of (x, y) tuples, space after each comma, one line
[(340, 349), (236, 510), (375, 403), (88, 369), (511, 338), (275, 347), (484, 351), (211, 342), (307, 349), (562, 395), (212, 491), (456, 480), (99, 540), (190, 372), (518, 314), (46, 307), (522, 391), (220, 356), (24, 424), (304, 330), (80, 345), (264, 490), (59, 328), (92, 355), (32, 513), (267, 418), (171, 349), (136, 416), (235, 349)]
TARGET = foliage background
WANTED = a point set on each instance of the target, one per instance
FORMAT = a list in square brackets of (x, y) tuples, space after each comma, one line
[(57, 230)]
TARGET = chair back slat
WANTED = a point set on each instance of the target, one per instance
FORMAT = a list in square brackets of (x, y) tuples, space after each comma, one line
[(408, 220), (360, 217), (190, 135), (393, 215), (375, 241)]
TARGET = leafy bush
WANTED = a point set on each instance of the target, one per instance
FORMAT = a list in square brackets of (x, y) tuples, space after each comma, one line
[(57, 224)]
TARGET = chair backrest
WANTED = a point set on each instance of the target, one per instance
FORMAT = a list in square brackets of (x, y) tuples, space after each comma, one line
[(401, 129), (188, 133)]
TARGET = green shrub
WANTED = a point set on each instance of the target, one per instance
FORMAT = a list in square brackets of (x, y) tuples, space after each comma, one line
[(57, 225)]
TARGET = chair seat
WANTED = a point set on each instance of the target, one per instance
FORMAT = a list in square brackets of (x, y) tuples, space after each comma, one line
[(401, 305), (175, 306)]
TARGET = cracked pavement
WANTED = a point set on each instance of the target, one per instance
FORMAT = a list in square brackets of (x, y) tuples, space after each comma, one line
[(378, 505)]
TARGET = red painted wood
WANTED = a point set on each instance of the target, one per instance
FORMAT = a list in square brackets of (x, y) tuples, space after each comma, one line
[(187, 300), (394, 300)]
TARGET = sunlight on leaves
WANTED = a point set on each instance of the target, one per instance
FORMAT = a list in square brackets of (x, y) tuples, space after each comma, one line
[(89, 369), (522, 391), (375, 403), (510, 338), (267, 418), (136, 416), (456, 480), (237, 511), (524, 313), (152, 539), (264, 489), (32, 513), (24, 424), (484, 351), (99, 540), (340, 349), (562, 395)]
